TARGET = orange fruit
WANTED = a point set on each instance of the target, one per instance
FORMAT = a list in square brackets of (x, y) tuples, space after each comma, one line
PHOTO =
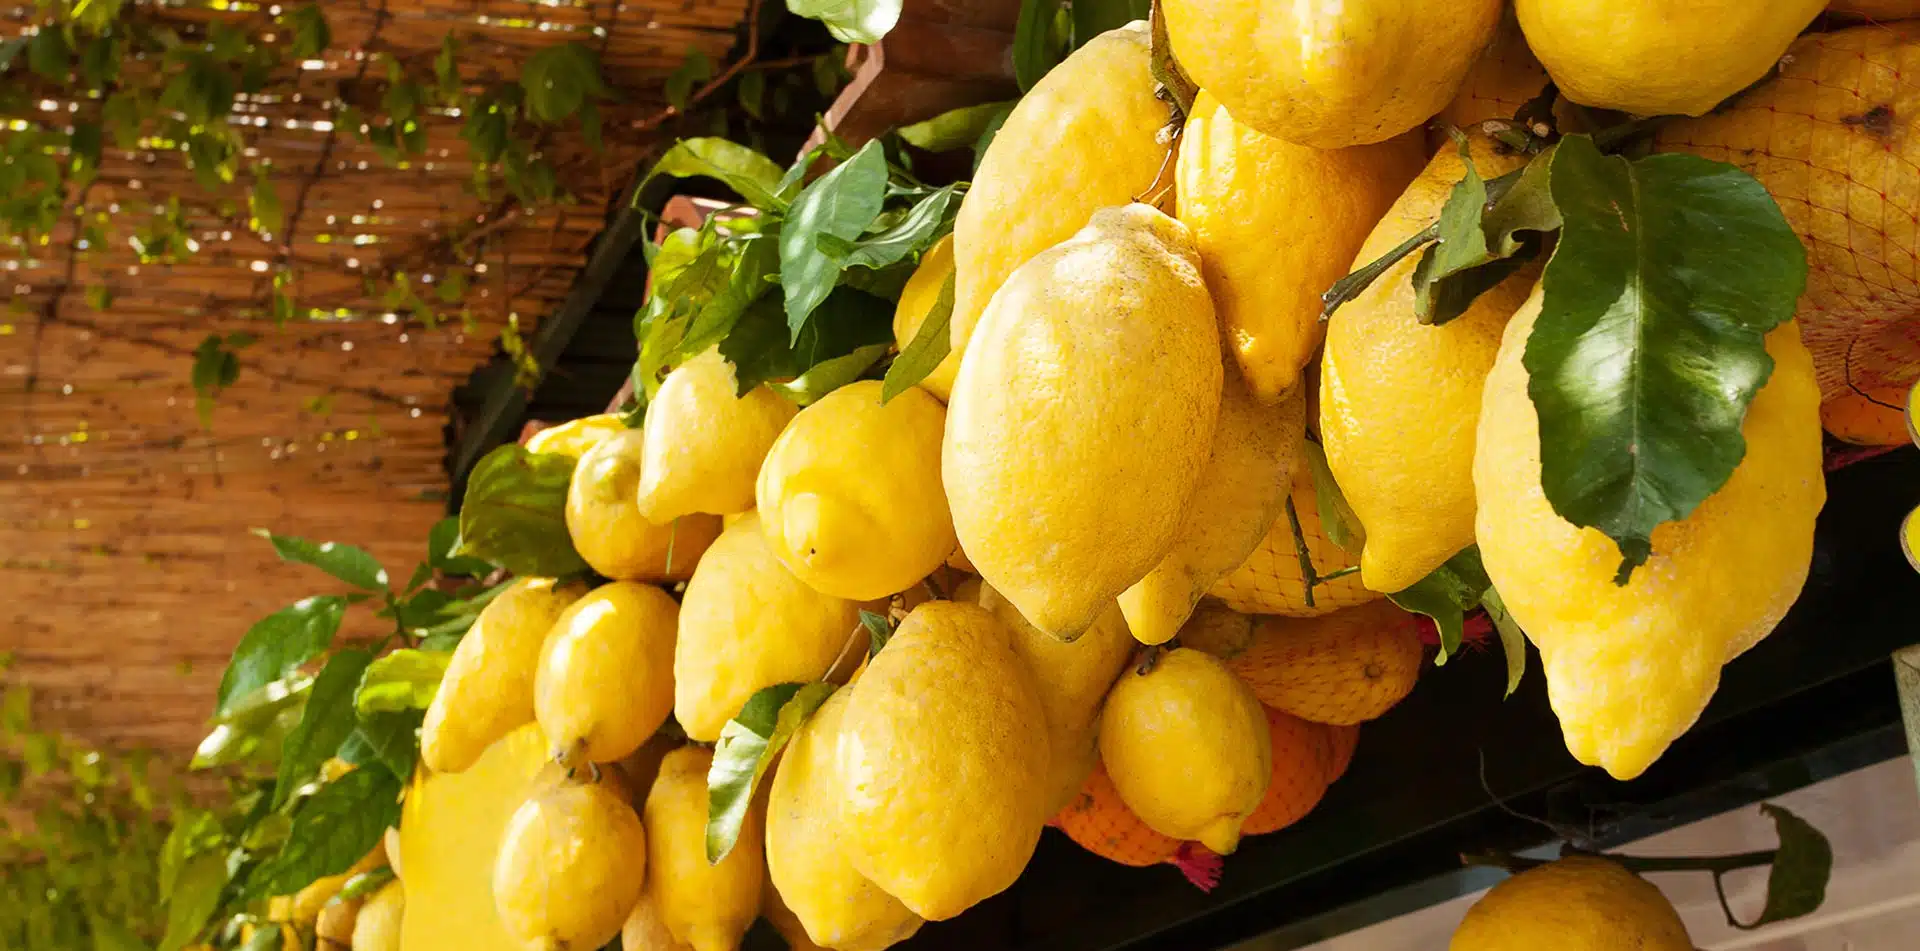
[(1302, 753), (1875, 417), (1340, 743), (1103, 825), (1270, 580), (1345, 668)]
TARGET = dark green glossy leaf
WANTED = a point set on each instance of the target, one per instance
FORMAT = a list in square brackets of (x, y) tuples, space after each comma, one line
[(195, 895), (752, 174), (929, 219), (514, 513), (328, 721), (1650, 341), (311, 34), (333, 828), (1513, 641), (842, 203), (1094, 17), (955, 128), (392, 739), (365, 884), (695, 69), (747, 746), (257, 727), (1797, 882), (442, 540), (1446, 595), (1337, 517), (930, 345), (402, 680), (277, 644), (345, 562), (558, 79), (879, 631), (48, 55), (831, 374), (1036, 44), (851, 21)]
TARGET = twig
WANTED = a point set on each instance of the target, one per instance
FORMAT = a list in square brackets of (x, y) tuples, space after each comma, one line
[(49, 314), (1307, 575)]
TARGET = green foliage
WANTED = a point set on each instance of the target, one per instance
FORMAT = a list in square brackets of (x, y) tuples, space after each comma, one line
[(1797, 879), (1669, 272), (514, 513), (1446, 595), (747, 747), (851, 21), (879, 631), (930, 345), (1041, 39), (957, 128)]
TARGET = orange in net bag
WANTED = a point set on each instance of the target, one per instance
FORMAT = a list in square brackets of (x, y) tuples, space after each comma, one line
[(1831, 138)]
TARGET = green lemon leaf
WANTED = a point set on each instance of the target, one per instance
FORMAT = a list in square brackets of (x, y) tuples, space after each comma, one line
[(392, 739), (48, 55), (256, 727), (841, 203), (930, 345), (514, 513), (195, 895), (695, 68), (328, 721), (930, 218), (366, 883), (402, 680), (195, 832), (333, 828), (1337, 517), (1094, 17), (851, 21), (442, 540), (1650, 344), (756, 177), (264, 939), (1446, 595), (747, 746), (311, 34), (345, 562), (956, 128), (879, 631), (1797, 881), (1513, 641), (1036, 41), (1487, 231), (277, 644), (559, 79), (12, 48), (829, 375)]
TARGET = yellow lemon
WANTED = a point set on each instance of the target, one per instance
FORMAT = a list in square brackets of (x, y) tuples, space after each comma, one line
[(450, 830), (377, 927), (704, 441), (645, 930), (575, 437), (572, 862), (705, 906), (1399, 399), (747, 623), (1330, 75), (1073, 678), (488, 687), (1242, 490), (850, 497), (1083, 138), (1575, 904), (1271, 581), (942, 759), (1187, 748), (1069, 459), (806, 859), (1629, 668), (1238, 189), (607, 528), (605, 681), (1659, 57), (917, 301)]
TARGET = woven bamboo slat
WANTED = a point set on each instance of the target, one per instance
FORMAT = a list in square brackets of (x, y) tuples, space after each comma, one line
[(126, 571)]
